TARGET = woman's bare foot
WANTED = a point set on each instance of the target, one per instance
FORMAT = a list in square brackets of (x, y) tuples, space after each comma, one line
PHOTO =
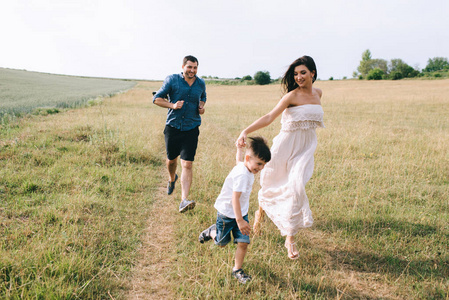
[(291, 248)]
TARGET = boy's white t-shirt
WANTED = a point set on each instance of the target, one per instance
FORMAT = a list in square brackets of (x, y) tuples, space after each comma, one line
[(238, 180)]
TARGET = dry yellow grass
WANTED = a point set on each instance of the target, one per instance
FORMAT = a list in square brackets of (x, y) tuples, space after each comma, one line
[(379, 195)]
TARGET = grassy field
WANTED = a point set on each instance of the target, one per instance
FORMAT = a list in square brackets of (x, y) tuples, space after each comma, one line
[(23, 91), (76, 189)]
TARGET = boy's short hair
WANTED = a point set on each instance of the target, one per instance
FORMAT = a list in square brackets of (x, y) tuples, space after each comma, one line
[(259, 147)]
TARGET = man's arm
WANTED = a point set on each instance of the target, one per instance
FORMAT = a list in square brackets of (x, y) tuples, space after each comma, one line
[(201, 109), (163, 93), (165, 103)]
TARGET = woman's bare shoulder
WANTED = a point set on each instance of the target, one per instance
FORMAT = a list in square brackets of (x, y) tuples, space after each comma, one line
[(288, 97), (318, 91)]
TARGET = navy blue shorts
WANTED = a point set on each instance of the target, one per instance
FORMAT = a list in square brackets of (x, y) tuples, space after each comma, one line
[(182, 143), (227, 225)]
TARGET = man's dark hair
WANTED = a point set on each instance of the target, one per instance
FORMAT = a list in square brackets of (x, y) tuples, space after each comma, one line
[(189, 58), (260, 148)]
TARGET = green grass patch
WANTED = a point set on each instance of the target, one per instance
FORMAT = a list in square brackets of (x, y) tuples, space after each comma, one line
[(75, 195), (23, 92)]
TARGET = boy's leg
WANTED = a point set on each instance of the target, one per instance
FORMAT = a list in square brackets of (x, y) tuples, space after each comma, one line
[(237, 271), (220, 232), (242, 242), (240, 253), (208, 234)]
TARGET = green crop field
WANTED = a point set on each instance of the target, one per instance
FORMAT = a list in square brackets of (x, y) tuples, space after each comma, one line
[(84, 213), (23, 91)]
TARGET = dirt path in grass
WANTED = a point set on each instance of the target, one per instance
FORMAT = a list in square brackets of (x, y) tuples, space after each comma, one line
[(151, 275)]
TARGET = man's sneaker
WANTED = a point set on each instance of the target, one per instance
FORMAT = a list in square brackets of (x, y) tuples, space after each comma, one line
[(205, 235), (185, 205), (171, 185), (241, 276)]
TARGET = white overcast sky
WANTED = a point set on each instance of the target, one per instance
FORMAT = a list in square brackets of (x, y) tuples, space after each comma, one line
[(147, 39)]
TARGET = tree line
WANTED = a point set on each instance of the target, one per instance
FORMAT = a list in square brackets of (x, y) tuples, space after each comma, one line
[(377, 68), (369, 68), (261, 78)]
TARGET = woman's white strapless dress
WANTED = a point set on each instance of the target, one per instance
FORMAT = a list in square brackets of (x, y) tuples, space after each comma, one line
[(282, 195)]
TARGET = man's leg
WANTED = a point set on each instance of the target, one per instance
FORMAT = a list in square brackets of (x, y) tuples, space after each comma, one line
[(171, 167), (186, 178), (172, 177), (187, 156)]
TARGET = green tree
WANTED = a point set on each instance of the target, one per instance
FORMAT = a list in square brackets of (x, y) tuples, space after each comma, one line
[(395, 75), (398, 69), (380, 64), (368, 63), (366, 55), (375, 74), (436, 64), (365, 64), (247, 77), (262, 77)]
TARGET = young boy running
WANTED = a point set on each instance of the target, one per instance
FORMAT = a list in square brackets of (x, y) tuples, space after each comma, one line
[(233, 202)]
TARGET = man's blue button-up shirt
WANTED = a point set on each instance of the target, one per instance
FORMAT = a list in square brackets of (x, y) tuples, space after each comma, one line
[(175, 88)]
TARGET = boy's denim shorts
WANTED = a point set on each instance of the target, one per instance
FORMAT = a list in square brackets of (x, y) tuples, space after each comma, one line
[(227, 225)]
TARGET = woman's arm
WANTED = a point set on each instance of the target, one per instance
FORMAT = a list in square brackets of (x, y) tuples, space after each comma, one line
[(265, 120)]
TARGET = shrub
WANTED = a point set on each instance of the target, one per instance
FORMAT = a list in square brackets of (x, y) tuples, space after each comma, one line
[(375, 74), (397, 65), (395, 75), (262, 77), (436, 64), (247, 77)]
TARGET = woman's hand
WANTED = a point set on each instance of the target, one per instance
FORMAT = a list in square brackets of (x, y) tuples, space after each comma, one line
[(241, 141)]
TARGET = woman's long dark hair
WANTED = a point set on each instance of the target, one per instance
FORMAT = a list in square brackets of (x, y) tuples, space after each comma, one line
[(288, 81)]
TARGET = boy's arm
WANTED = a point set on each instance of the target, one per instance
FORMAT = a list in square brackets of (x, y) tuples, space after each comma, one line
[(241, 223), (239, 155)]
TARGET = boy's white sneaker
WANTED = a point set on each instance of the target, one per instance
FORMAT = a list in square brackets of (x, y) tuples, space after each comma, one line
[(241, 276), (205, 235)]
